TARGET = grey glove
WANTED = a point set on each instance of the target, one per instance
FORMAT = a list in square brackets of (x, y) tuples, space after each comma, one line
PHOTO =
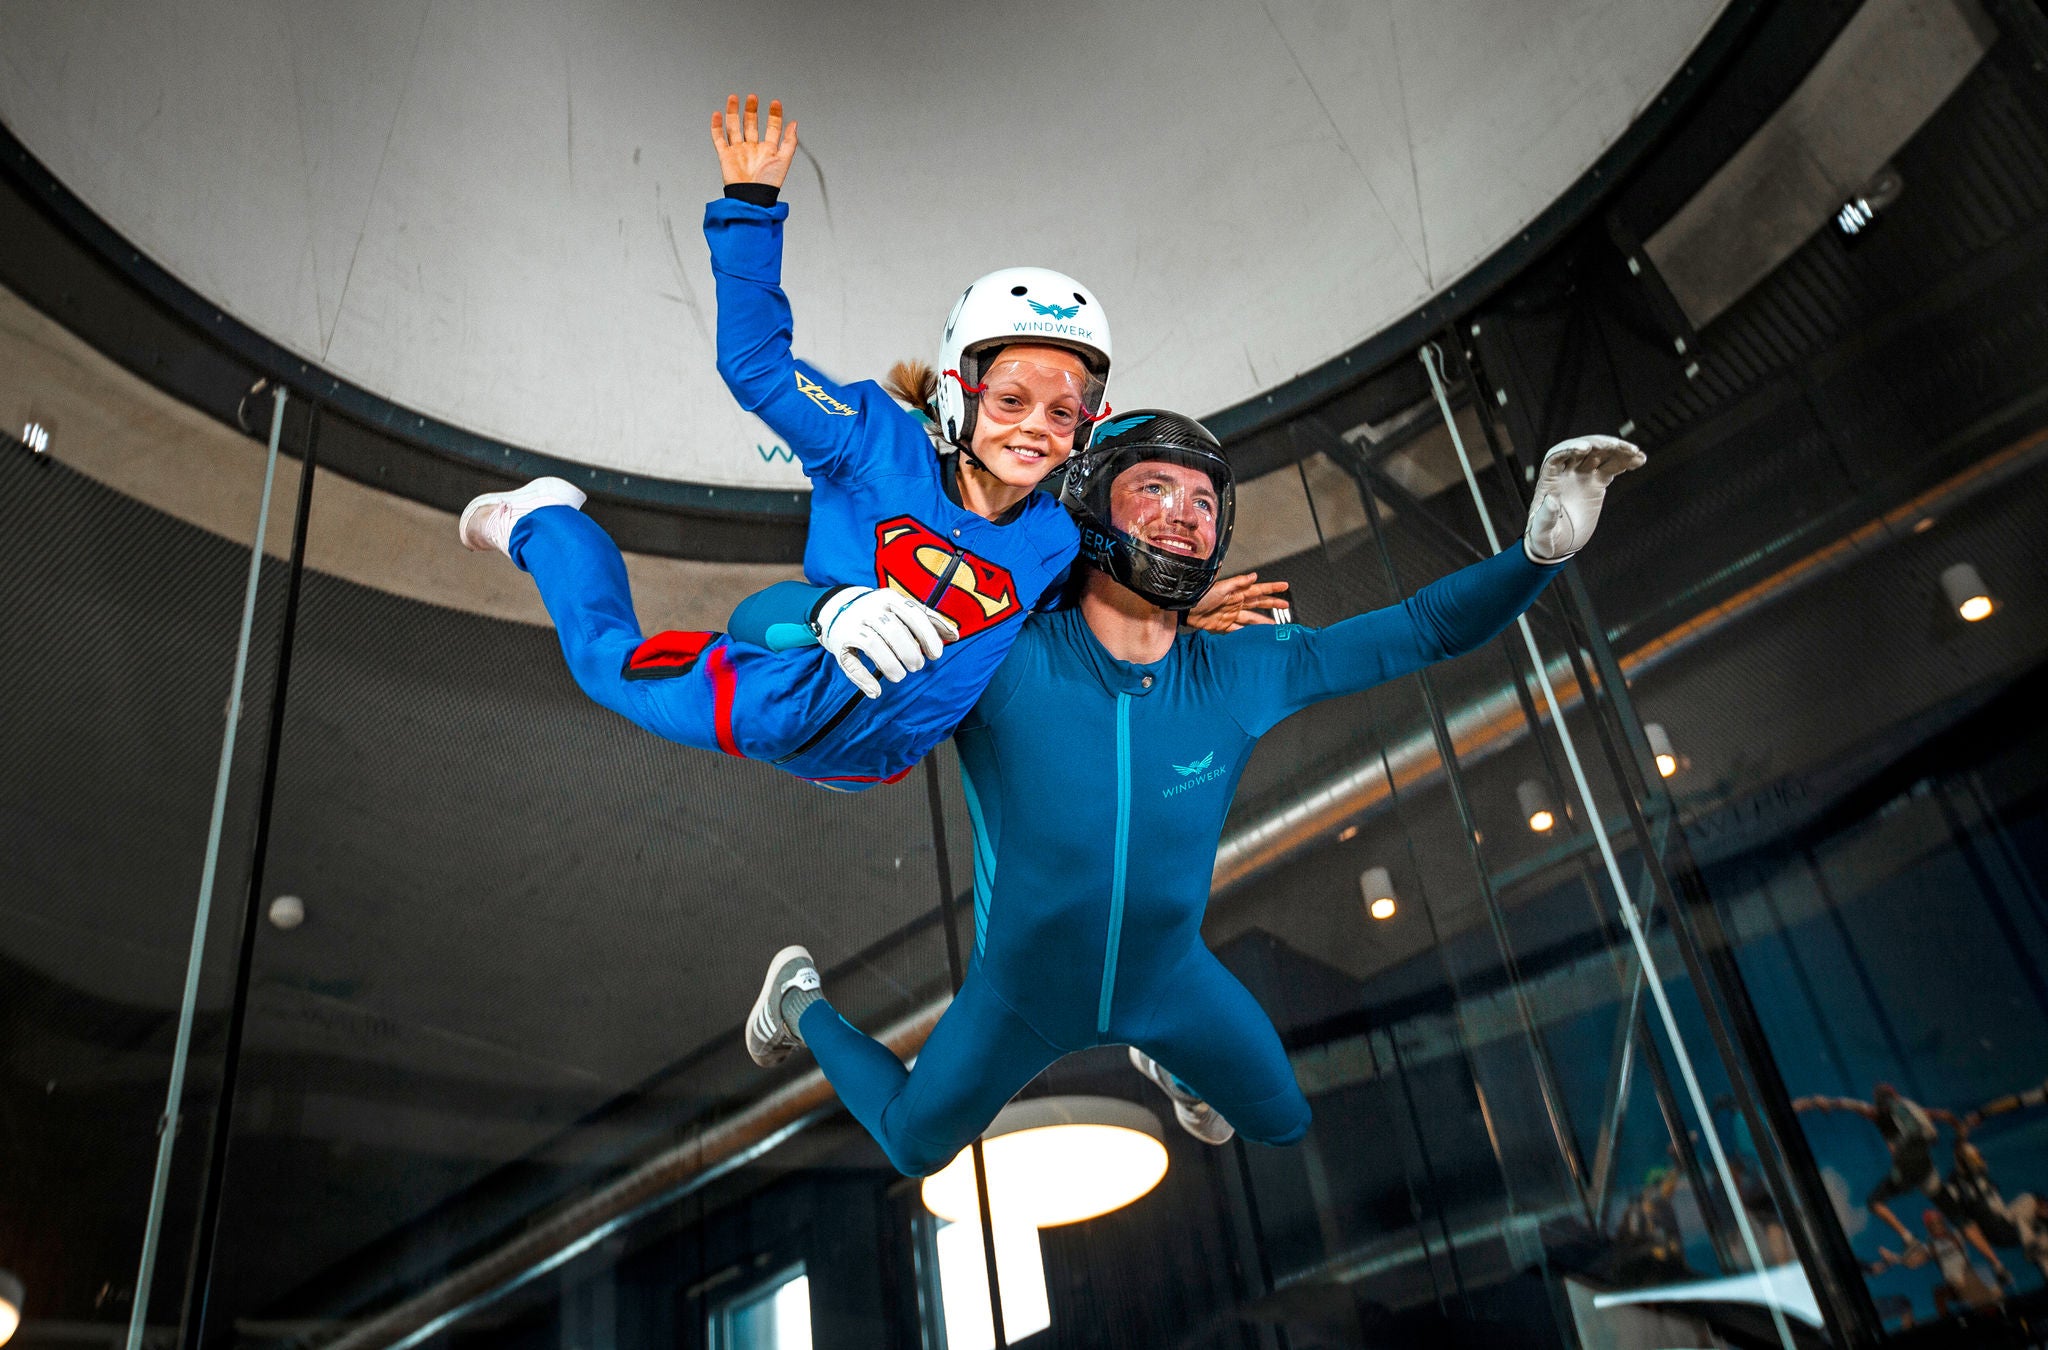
[(893, 631), (1570, 487)]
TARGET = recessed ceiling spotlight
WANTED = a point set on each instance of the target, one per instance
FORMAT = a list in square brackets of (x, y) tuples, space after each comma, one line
[(1661, 749), (1347, 833), (1967, 592), (11, 1296), (287, 912), (1376, 886)]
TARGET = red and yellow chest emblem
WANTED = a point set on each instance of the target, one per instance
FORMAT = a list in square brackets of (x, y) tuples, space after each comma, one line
[(917, 560)]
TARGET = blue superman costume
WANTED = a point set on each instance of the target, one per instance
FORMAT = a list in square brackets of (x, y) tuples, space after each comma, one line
[(880, 515), (1088, 924)]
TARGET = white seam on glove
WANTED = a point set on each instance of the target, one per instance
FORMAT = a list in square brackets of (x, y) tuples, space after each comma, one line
[(894, 632), (1570, 488)]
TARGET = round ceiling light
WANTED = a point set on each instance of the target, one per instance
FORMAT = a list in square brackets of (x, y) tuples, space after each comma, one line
[(11, 1295), (1053, 1161)]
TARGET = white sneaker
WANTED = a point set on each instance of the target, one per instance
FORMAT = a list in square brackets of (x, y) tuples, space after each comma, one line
[(488, 520), (769, 1037), (1196, 1116)]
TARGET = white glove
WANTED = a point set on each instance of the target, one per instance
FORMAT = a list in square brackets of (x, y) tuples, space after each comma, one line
[(1569, 489), (889, 628)]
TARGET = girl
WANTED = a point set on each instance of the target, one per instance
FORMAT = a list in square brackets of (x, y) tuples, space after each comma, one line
[(916, 549)]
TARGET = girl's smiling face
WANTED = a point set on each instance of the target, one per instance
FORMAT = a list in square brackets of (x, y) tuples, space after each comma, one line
[(1031, 405)]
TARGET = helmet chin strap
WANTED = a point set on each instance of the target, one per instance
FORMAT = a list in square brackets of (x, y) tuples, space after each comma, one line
[(973, 461), (971, 391), (1150, 602)]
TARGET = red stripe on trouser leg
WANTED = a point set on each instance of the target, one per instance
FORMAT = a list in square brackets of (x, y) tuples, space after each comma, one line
[(895, 777), (666, 655), (723, 681)]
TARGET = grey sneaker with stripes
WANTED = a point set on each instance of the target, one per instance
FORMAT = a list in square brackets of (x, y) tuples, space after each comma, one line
[(1196, 1116), (770, 1038)]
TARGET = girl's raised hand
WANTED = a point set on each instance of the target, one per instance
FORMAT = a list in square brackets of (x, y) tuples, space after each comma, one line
[(1235, 602), (748, 153)]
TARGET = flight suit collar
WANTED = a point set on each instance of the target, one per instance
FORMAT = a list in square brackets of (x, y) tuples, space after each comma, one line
[(1118, 677)]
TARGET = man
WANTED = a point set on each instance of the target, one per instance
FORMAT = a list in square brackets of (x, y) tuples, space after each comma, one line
[(1909, 1131), (1985, 1217), (1098, 766)]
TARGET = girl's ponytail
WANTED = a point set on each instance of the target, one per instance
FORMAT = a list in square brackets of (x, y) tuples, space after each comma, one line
[(914, 382)]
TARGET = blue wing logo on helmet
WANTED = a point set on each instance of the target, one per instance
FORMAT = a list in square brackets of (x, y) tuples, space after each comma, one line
[(1055, 311), (1119, 427)]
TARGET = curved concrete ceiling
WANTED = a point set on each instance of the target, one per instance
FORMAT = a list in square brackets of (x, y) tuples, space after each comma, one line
[(489, 214)]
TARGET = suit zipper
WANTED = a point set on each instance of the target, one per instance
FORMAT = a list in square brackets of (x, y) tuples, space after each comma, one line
[(945, 579), (1120, 867)]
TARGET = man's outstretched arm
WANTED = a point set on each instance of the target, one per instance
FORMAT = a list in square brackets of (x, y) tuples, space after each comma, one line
[(1288, 668)]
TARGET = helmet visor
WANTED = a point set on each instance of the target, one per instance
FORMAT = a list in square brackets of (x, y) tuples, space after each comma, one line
[(1169, 499)]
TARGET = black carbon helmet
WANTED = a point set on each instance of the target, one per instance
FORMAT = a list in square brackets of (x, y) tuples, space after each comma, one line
[(1169, 580)]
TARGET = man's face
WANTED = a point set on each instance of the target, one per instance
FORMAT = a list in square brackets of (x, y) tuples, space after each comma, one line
[(1170, 506)]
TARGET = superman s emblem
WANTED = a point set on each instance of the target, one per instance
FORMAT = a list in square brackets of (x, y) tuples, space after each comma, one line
[(914, 559)]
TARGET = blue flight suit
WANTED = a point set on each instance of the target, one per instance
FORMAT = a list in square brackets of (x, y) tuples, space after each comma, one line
[(880, 516), (1098, 790)]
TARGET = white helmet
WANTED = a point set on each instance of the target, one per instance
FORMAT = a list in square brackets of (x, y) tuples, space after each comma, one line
[(1018, 304)]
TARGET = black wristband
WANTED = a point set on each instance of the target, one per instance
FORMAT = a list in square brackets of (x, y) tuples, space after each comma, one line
[(818, 605), (753, 194)]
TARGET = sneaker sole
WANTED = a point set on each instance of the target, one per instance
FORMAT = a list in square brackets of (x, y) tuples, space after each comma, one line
[(1216, 1135), (769, 1056), (1183, 1110)]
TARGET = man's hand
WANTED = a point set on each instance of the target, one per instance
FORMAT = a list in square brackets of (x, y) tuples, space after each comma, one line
[(1570, 487), (1233, 602), (745, 154), (889, 628)]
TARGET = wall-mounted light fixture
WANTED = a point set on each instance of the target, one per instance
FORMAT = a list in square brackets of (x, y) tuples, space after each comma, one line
[(1536, 807), (1661, 749), (11, 1296), (1053, 1161), (1376, 887), (36, 437), (1966, 592)]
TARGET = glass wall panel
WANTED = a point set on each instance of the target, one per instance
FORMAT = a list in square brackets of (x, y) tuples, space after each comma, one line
[(120, 660), (531, 933), (1887, 903)]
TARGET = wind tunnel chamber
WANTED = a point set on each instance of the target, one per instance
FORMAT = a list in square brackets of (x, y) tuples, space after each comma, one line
[(1667, 972)]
